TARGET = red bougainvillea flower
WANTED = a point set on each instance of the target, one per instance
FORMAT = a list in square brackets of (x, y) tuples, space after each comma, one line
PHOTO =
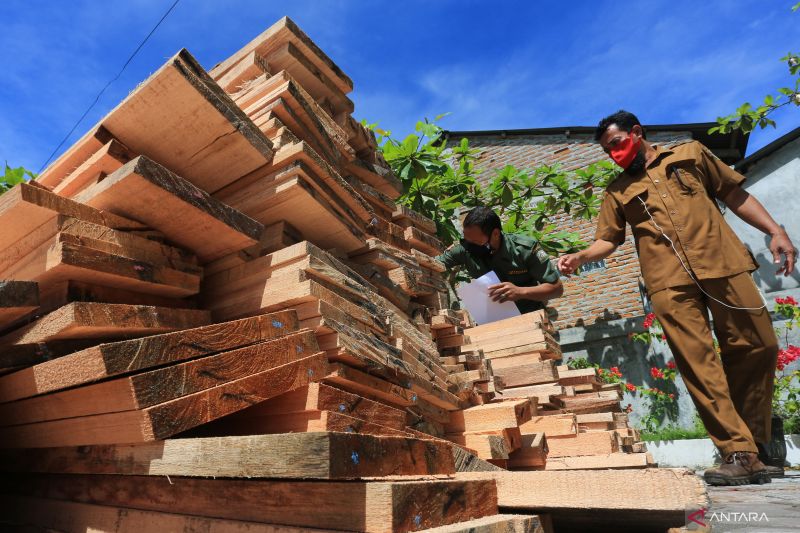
[(630, 386), (615, 371), (786, 301), (671, 396), (656, 373), (663, 337), (788, 356), (671, 364), (648, 320)]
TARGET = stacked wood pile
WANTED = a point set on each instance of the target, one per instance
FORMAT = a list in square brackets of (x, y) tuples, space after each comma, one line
[(215, 317), (543, 415)]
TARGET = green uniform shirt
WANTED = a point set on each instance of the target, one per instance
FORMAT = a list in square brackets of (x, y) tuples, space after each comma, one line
[(519, 261)]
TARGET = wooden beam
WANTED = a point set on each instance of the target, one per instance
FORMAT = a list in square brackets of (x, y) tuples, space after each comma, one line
[(181, 118), (161, 385), (106, 360), (321, 397), (379, 506), (66, 516), (26, 207), (321, 455), (64, 258), (169, 418), (653, 499), (87, 320), (491, 416), (100, 164), (17, 299), (186, 215)]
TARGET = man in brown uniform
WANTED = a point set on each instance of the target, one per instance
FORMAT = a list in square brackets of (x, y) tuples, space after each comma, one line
[(692, 262)]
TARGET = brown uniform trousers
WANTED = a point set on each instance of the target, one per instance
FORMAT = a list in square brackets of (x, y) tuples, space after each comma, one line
[(733, 391)]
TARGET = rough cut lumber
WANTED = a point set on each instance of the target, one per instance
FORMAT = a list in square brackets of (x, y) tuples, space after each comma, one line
[(106, 360), (577, 376), (531, 454), (26, 207), (597, 443), (491, 416), (533, 373), (185, 214), (296, 200), (320, 397), (276, 36), (99, 165), (17, 299), (170, 418), (160, 385), (31, 514), (653, 499), (312, 420), (501, 523), (67, 292), (249, 67), (379, 506), (294, 455), (182, 119), (126, 244), (601, 462), (485, 445), (552, 426), (466, 461), (22, 355), (65, 258), (86, 320)]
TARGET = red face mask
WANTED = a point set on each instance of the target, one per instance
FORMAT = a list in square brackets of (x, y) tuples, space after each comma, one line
[(625, 151)]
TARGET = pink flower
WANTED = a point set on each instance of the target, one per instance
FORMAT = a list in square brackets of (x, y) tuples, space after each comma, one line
[(648, 320), (671, 364), (786, 301)]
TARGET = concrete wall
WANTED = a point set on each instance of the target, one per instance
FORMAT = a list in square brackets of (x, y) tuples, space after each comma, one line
[(775, 181)]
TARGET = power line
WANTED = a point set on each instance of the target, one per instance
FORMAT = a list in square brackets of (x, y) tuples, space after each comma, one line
[(97, 98)]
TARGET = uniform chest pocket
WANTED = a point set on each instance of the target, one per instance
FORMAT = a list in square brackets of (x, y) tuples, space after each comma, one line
[(684, 180), (634, 201)]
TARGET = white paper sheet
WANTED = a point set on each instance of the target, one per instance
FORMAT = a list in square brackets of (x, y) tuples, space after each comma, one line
[(475, 298)]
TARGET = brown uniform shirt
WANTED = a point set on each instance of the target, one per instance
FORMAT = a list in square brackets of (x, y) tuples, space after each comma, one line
[(679, 188)]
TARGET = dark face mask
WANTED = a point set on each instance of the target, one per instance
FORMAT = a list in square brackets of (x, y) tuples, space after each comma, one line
[(477, 250)]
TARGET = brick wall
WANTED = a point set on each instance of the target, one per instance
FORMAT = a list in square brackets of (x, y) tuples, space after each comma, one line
[(604, 294)]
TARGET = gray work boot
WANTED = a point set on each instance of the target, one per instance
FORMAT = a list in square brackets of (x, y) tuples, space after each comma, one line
[(739, 468)]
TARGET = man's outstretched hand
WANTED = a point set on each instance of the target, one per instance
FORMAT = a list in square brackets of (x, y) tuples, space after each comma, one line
[(781, 245), (505, 292), (568, 264)]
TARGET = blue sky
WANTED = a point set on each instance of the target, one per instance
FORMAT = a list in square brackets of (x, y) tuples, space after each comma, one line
[(494, 65)]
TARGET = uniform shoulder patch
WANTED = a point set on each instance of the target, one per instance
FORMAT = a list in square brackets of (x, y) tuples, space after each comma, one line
[(542, 256)]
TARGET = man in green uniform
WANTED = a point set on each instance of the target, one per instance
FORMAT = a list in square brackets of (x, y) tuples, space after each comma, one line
[(692, 263), (526, 275)]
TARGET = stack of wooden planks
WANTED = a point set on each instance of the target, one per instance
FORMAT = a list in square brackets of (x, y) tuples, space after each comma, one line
[(574, 421), (214, 316)]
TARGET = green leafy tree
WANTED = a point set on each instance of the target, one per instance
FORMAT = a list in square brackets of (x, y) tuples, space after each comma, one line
[(442, 181), (747, 117), (13, 176)]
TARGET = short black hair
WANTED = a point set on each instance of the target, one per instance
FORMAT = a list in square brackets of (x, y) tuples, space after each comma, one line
[(625, 120), (483, 217)]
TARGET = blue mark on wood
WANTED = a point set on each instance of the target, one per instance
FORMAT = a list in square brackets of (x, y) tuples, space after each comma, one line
[(277, 324), (354, 457)]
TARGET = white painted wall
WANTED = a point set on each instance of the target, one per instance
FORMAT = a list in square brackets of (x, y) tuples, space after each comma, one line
[(775, 181)]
